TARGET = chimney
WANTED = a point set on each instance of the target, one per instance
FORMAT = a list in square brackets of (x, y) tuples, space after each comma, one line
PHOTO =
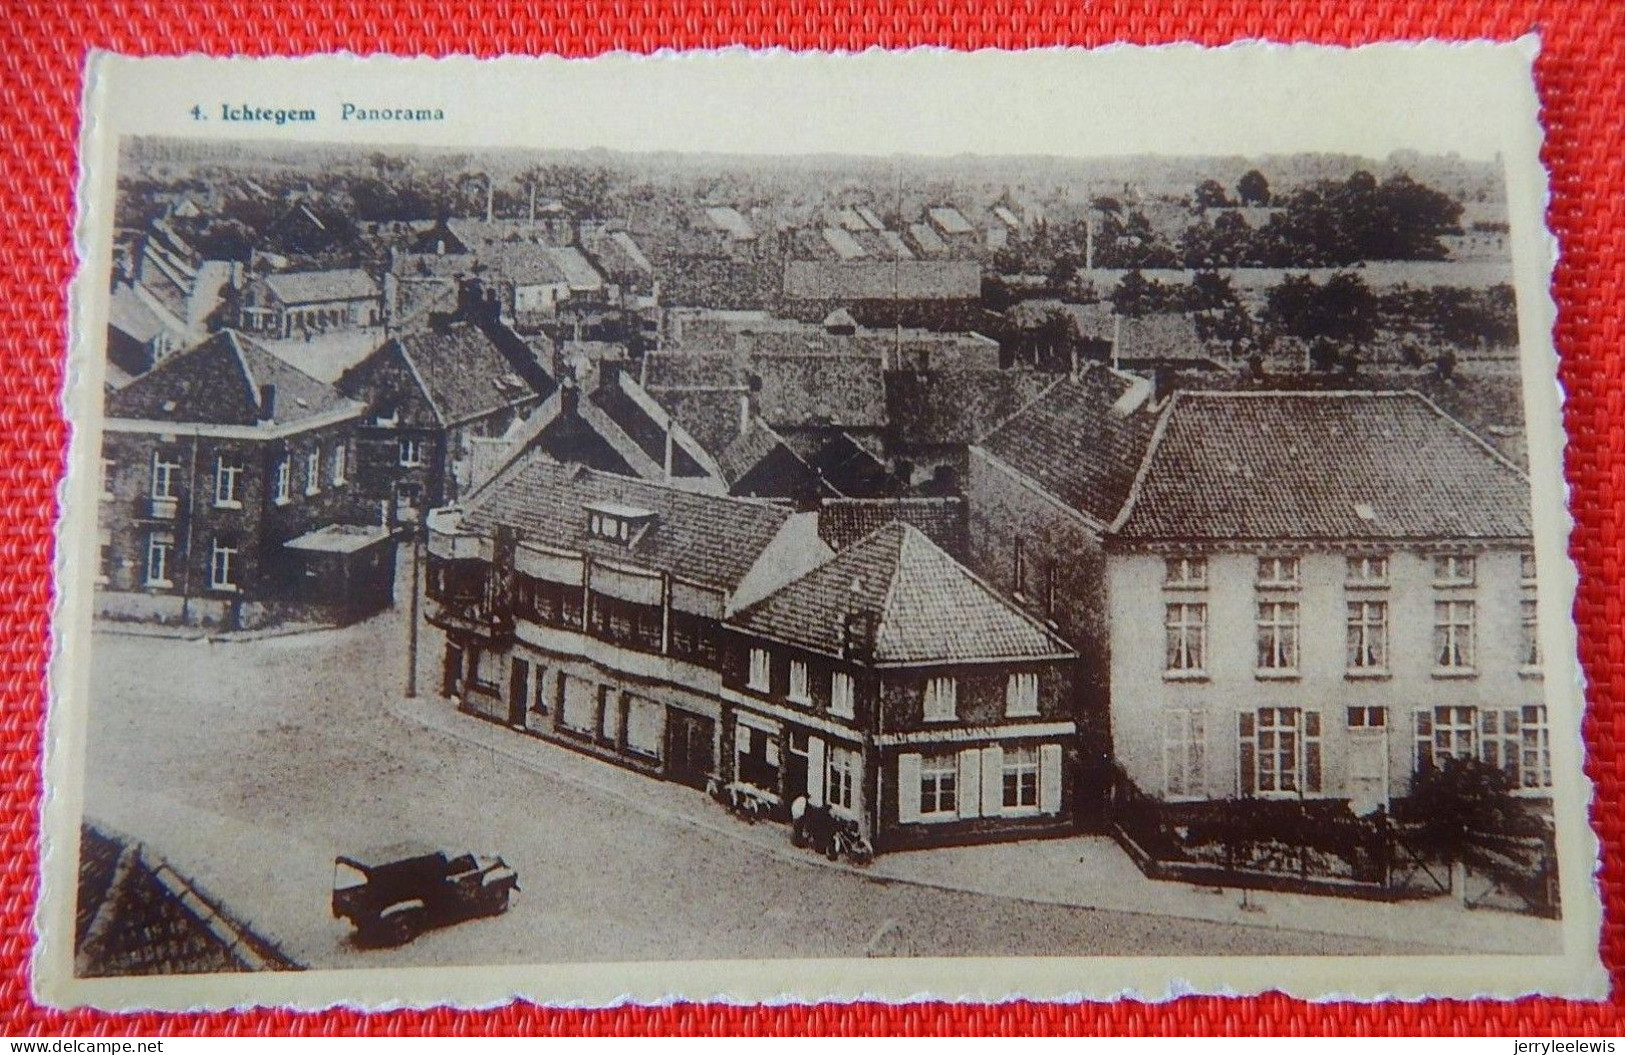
[(490, 199), (744, 412), (267, 402), (569, 397)]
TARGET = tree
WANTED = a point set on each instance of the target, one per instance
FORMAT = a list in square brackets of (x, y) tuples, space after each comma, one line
[(1210, 195), (1344, 310), (1253, 188), (1137, 295), (1462, 813)]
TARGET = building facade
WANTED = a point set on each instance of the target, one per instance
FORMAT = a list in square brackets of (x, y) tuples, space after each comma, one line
[(587, 608), (289, 304), (1316, 595), (228, 496), (894, 687)]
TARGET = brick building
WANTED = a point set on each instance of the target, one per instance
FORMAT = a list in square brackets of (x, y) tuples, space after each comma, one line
[(228, 496)]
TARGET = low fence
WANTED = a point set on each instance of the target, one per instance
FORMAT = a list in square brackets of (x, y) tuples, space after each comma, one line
[(1316, 846)]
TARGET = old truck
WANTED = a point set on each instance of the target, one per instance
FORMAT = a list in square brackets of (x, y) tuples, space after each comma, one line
[(391, 895)]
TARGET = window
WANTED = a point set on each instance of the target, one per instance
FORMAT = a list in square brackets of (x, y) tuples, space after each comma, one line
[(842, 701), (411, 451), (1367, 635), (1535, 760), (164, 474), (1279, 751), (608, 527), (1277, 572), (1020, 779), (578, 713), (798, 682), (313, 471), (1186, 629), (107, 478), (222, 566), (1185, 572), (1277, 636), (1454, 569), (1500, 740), (1453, 636), (1184, 754), (227, 475), (761, 670), (840, 777), (939, 785), (484, 668), (282, 482), (1445, 732), (1368, 569), (1529, 619), (645, 726), (336, 464), (1021, 695), (941, 700), (1526, 567), (609, 714), (1367, 717), (160, 552)]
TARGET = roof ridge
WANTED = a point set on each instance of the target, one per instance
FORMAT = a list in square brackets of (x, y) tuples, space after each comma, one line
[(1135, 488), (890, 595), (1014, 414), (233, 339), (1461, 427)]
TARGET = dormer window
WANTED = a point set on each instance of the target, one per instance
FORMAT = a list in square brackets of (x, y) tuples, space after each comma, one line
[(618, 523)]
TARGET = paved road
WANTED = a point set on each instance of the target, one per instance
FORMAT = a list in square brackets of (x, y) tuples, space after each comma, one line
[(251, 764)]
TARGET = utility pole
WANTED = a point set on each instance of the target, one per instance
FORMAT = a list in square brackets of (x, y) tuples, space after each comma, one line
[(412, 616)]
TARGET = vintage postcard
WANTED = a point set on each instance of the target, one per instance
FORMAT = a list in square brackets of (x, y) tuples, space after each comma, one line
[(799, 527)]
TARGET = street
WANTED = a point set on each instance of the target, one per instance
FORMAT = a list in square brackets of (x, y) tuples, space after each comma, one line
[(251, 764)]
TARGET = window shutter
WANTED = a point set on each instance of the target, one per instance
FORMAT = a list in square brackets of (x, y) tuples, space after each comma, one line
[(992, 781), (815, 771), (970, 783), (1049, 778), (1312, 778), (1246, 764), (908, 788)]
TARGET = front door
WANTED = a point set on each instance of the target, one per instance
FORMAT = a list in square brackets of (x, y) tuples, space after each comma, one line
[(518, 691), (1367, 769), (689, 738), (451, 672)]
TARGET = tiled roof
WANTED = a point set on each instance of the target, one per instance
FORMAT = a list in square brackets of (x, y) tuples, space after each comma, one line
[(1323, 465), (629, 248), (747, 450), (315, 287), (843, 521), (1073, 444), (956, 406), (845, 246), (708, 538), (882, 279), (927, 607), (711, 415), (219, 383), (845, 390), (694, 370), (522, 263), (464, 374), (1162, 337)]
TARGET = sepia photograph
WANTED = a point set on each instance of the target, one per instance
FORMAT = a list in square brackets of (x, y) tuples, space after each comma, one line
[(1121, 556)]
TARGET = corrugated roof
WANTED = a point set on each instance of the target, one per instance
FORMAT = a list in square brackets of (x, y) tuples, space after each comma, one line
[(927, 607), (317, 287), (707, 538), (845, 246), (927, 239), (219, 383), (1323, 465), (1073, 444), (950, 220), (729, 219)]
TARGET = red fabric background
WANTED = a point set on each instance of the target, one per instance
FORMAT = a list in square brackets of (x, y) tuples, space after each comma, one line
[(1581, 75)]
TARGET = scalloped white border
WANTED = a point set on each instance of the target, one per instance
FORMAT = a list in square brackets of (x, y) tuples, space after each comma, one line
[(1485, 85)]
